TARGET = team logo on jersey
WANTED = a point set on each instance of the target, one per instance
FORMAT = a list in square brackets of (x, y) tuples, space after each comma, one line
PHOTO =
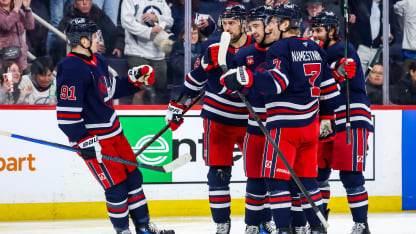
[(305, 44), (250, 60), (197, 63), (105, 88)]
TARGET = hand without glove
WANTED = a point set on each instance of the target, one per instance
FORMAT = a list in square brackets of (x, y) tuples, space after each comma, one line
[(143, 74), (327, 131), (345, 67), (90, 148), (237, 78), (210, 59), (174, 114)]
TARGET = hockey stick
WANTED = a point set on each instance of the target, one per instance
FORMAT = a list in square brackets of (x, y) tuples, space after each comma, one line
[(347, 82), (167, 126), (181, 160), (373, 61), (223, 64)]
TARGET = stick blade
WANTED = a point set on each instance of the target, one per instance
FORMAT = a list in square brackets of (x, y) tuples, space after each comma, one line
[(222, 51), (180, 161)]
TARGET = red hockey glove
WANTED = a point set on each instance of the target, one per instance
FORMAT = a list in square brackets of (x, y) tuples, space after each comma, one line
[(327, 128), (90, 148), (143, 74), (237, 78), (210, 59), (345, 67), (174, 115)]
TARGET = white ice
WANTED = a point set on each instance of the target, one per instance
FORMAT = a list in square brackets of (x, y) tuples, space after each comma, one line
[(380, 223)]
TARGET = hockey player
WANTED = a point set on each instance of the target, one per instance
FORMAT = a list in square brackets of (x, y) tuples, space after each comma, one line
[(262, 26), (297, 76), (348, 159), (85, 113), (225, 115)]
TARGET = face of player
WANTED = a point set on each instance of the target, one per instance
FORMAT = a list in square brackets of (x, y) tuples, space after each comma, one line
[(233, 27), (14, 69), (83, 6), (319, 33), (256, 28), (376, 75), (44, 80), (272, 30)]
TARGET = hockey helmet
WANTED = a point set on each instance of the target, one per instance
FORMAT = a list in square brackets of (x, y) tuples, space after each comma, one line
[(326, 19), (233, 12), (263, 13), (289, 11), (78, 28)]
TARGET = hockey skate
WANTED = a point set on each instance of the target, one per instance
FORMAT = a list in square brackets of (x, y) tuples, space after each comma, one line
[(301, 230), (252, 230), (150, 228), (127, 231), (318, 230), (224, 228), (360, 228), (285, 230), (267, 227)]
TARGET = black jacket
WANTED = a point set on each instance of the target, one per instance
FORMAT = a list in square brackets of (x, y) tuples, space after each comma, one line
[(375, 93), (404, 93), (113, 36)]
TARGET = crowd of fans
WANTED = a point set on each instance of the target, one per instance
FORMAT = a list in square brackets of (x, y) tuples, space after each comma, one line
[(136, 32)]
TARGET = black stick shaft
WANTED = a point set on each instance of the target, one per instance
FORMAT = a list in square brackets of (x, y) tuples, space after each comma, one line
[(347, 82)]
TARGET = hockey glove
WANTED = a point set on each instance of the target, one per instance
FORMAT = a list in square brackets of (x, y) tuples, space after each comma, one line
[(237, 78), (210, 59), (345, 67), (90, 148), (327, 128), (143, 74), (174, 115)]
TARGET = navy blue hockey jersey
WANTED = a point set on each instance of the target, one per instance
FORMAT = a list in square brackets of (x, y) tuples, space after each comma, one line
[(85, 93), (360, 113), (298, 76), (219, 105)]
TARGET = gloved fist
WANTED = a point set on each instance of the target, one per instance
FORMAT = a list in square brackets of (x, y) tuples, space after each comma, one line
[(143, 74), (210, 59), (90, 148), (345, 67), (327, 129), (174, 115), (237, 78)]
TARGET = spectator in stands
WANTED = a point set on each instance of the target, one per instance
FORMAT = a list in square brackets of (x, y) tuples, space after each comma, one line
[(365, 31), (112, 37), (405, 91), (41, 82), (56, 9), (144, 22), (374, 84), (110, 7), (176, 61), (406, 9), (313, 7), (205, 22), (13, 22), (11, 93)]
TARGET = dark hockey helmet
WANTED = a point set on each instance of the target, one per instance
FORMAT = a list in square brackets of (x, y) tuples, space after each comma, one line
[(326, 19), (289, 11), (263, 13), (233, 12), (78, 28)]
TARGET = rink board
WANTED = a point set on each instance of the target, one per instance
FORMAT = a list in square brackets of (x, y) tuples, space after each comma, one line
[(41, 182)]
